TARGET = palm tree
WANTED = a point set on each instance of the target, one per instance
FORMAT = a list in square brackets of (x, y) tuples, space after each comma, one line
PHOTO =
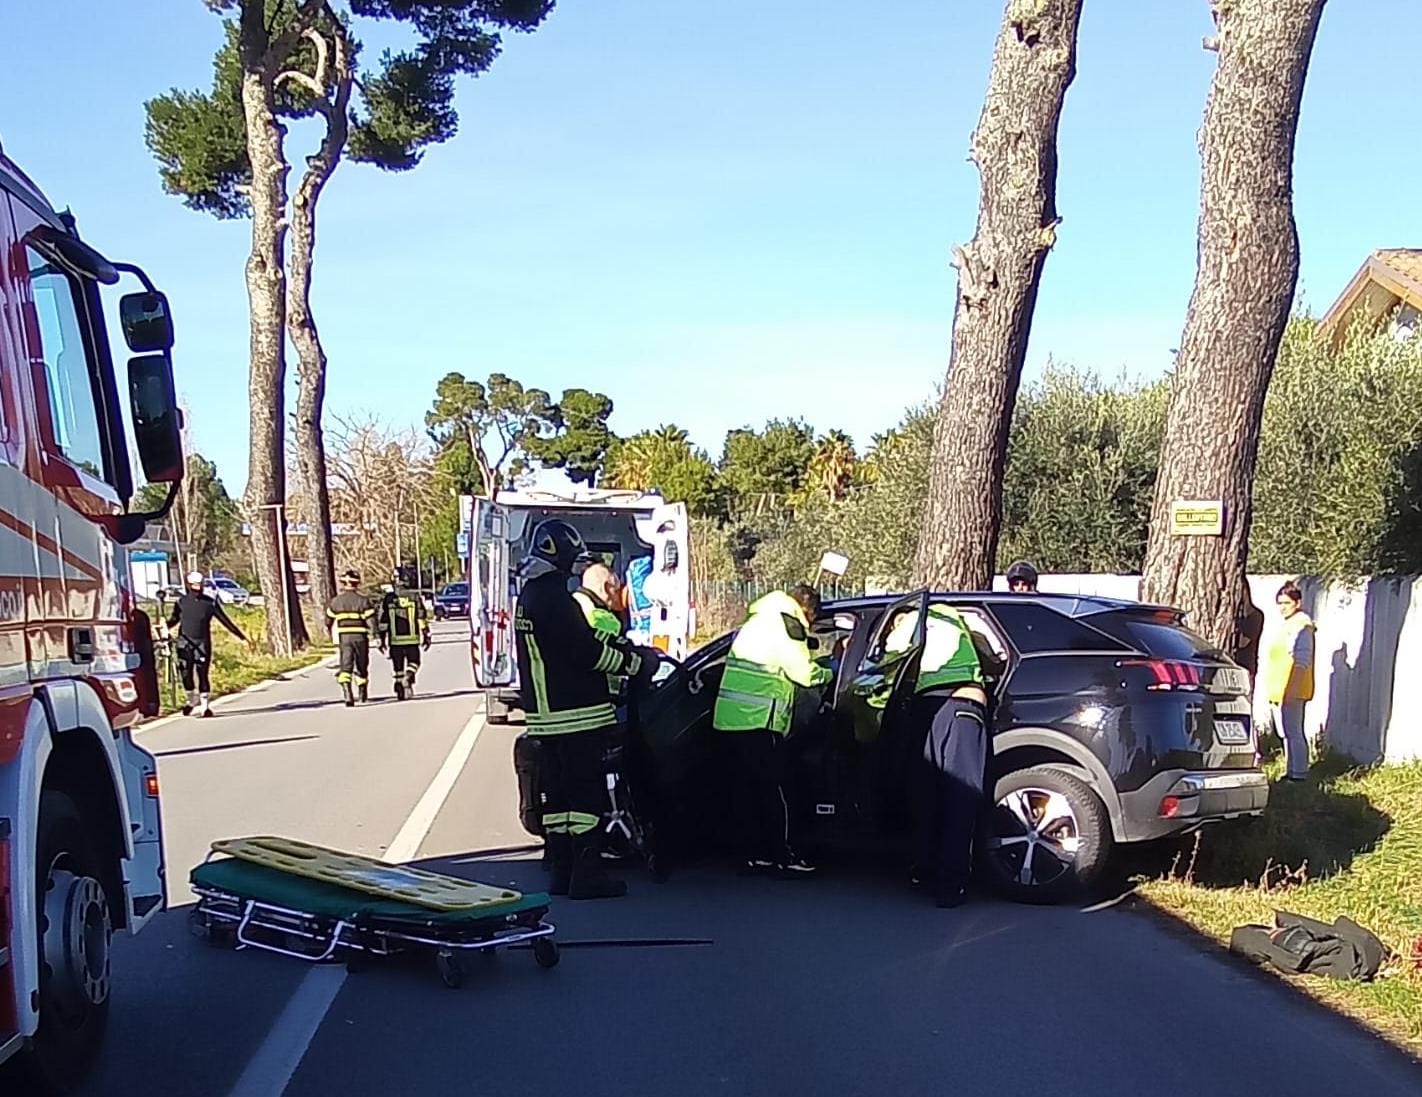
[(833, 463)]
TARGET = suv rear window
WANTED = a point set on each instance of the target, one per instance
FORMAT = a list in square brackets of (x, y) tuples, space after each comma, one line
[(1156, 636), (1033, 627)]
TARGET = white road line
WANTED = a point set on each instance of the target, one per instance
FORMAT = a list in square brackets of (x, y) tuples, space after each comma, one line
[(275, 1062), (417, 827)]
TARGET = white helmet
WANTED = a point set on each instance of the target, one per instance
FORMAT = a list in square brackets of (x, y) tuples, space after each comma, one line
[(195, 578)]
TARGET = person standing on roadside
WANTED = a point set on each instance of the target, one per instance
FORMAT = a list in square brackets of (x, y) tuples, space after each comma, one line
[(192, 616), (1288, 678)]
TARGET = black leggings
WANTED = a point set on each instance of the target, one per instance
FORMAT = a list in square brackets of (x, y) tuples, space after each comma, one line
[(194, 660)]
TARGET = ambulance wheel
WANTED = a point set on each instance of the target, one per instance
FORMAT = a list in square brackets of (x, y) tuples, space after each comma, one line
[(545, 952), (74, 935), (451, 969)]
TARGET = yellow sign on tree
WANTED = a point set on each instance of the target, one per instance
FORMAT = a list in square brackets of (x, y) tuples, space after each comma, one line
[(1196, 517)]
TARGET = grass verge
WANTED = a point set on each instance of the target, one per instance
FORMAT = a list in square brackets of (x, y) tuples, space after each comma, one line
[(1347, 841), (235, 666)]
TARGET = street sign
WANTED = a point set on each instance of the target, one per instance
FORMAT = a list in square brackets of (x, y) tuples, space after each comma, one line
[(463, 542), (1197, 517), (834, 563)]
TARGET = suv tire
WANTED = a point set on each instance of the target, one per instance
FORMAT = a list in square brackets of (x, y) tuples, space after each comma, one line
[(1045, 837)]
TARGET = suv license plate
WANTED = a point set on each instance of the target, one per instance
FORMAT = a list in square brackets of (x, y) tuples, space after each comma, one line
[(1231, 732)]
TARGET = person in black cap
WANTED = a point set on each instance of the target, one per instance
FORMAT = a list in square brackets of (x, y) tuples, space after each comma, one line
[(1022, 578)]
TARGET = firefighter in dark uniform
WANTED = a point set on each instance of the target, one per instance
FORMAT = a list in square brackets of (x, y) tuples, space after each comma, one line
[(192, 616), (352, 619), (404, 630), (563, 664)]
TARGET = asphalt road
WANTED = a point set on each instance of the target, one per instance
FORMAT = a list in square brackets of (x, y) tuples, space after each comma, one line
[(848, 984)]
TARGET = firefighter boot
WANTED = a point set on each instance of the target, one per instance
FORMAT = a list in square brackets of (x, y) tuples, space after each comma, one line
[(399, 689), (590, 880), (364, 693), (409, 681), (559, 850), (347, 695)]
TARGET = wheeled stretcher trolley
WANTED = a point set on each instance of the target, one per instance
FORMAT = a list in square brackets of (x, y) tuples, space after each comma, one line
[(322, 905)]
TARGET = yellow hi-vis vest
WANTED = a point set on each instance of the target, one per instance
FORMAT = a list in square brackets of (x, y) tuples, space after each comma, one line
[(769, 659), (1285, 679)]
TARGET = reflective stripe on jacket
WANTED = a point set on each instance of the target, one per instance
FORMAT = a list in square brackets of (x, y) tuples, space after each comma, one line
[(563, 662), (1288, 668), (769, 658), (949, 657), (402, 617), (351, 614)]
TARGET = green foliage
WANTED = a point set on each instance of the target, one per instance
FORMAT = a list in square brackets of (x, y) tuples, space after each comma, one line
[(492, 425), (832, 468), (400, 105), (1081, 471), (664, 461), (581, 439), (762, 470), (203, 515), (1338, 486)]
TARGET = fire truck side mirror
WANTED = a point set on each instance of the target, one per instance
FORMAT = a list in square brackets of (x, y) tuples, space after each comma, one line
[(157, 420), (147, 323)]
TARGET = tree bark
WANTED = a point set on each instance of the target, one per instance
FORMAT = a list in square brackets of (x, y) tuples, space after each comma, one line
[(1244, 288), (266, 469), (1015, 149), (301, 324)]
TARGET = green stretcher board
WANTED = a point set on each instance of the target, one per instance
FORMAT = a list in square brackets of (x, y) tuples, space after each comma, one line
[(351, 870), (317, 897)]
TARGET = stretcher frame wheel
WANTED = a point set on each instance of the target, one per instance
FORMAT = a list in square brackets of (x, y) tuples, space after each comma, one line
[(545, 952), (450, 968)]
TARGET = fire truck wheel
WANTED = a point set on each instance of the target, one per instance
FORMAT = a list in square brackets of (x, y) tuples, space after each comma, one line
[(74, 936)]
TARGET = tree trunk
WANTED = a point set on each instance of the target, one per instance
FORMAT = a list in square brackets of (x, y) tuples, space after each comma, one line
[(1015, 148), (1244, 288), (266, 469), (301, 326)]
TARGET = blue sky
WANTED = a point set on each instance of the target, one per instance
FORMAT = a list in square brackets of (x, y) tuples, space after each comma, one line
[(715, 212)]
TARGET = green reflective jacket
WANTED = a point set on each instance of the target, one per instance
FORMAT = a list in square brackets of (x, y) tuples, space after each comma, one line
[(605, 623), (769, 658), (949, 657)]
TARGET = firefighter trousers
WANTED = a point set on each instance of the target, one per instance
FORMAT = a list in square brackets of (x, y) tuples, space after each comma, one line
[(758, 776), (355, 658), (948, 786), (405, 661), (573, 782)]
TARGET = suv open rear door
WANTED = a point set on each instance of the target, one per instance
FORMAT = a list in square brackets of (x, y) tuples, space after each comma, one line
[(490, 596), (882, 684)]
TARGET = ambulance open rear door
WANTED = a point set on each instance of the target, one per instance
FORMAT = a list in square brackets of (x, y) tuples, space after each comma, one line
[(669, 584), (490, 597)]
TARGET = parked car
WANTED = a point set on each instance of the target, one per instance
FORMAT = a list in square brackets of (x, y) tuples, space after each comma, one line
[(227, 591), (452, 601), (1112, 723)]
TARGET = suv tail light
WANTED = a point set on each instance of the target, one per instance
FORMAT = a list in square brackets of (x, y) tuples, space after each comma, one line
[(1167, 674)]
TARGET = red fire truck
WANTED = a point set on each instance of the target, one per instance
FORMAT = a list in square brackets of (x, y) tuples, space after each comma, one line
[(80, 838)]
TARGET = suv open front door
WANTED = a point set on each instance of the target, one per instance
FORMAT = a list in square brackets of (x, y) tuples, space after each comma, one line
[(490, 596)]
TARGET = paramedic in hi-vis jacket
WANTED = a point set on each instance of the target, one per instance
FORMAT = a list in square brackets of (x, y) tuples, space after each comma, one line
[(949, 768), (768, 664), (563, 664)]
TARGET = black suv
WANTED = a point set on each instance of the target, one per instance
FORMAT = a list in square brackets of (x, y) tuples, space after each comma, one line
[(1111, 721)]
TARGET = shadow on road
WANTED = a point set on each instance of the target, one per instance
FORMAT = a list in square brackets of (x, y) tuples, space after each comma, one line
[(233, 746)]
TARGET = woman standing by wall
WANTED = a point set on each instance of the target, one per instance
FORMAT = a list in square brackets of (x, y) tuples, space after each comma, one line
[(1289, 678)]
